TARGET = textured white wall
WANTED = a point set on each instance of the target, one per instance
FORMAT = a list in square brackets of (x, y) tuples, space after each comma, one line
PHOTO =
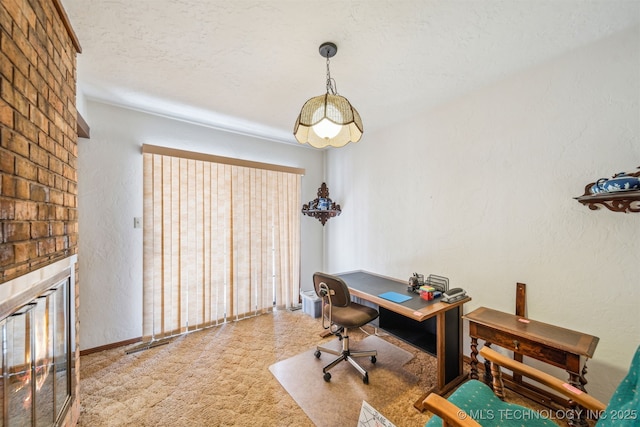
[(481, 190), (110, 196)]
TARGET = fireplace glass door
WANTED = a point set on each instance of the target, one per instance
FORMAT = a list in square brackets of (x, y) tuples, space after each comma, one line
[(36, 380)]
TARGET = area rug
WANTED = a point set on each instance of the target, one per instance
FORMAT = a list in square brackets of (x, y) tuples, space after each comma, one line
[(338, 402)]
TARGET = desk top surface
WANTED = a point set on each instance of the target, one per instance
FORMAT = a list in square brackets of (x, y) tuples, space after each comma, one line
[(554, 336), (368, 286)]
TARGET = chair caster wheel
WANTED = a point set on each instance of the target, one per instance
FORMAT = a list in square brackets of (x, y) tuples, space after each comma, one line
[(373, 359), (327, 376), (365, 379), (317, 354)]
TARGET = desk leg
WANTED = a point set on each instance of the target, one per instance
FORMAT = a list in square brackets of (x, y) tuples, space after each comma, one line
[(497, 385), (448, 354), (488, 377), (577, 417), (441, 354), (473, 374), (583, 379)]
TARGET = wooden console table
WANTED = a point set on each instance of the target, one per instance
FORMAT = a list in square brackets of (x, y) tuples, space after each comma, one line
[(551, 344)]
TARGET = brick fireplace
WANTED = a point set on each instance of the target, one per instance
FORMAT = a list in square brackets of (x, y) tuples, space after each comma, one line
[(38, 209), (37, 330)]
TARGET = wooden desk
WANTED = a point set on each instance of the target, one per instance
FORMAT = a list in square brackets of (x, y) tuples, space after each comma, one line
[(551, 344), (434, 326)]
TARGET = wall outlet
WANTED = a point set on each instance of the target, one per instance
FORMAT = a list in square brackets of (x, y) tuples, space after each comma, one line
[(137, 222)]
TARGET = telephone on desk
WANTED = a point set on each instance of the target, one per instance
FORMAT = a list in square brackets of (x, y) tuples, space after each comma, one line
[(453, 295)]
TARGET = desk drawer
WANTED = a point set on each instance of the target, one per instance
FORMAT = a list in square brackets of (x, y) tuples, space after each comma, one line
[(519, 344)]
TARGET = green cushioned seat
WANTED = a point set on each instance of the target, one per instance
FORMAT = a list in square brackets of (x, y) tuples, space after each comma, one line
[(477, 401)]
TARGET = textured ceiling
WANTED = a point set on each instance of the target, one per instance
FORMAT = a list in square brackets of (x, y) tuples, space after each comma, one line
[(249, 65)]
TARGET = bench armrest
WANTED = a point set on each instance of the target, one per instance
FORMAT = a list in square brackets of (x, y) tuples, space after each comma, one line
[(451, 415), (562, 387)]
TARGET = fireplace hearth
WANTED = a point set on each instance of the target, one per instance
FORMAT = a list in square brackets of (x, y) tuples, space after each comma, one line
[(37, 328)]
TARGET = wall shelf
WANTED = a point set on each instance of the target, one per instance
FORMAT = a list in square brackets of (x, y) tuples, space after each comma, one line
[(619, 201), (322, 208)]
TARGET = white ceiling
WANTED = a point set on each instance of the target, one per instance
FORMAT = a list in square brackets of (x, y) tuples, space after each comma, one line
[(249, 65)]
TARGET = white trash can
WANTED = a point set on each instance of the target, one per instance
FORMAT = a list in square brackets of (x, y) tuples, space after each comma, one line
[(311, 303)]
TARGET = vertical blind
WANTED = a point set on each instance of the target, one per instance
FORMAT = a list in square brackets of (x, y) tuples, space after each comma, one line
[(221, 240)]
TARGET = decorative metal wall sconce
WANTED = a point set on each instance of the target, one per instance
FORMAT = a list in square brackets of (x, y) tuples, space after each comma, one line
[(322, 207)]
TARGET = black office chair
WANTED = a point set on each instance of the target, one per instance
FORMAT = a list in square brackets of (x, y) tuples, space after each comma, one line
[(342, 314)]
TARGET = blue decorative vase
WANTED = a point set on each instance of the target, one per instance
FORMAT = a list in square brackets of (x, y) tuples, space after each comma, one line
[(323, 204), (619, 182)]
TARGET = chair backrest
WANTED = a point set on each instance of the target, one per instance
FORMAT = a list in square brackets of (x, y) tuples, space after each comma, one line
[(338, 290)]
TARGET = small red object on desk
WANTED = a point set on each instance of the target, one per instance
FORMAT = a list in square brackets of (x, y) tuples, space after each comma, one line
[(426, 292)]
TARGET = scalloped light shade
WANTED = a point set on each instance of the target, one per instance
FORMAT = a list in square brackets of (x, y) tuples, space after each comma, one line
[(345, 124)]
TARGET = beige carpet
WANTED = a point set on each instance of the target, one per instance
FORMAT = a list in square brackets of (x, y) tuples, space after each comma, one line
[(220, 377), (338, 402)]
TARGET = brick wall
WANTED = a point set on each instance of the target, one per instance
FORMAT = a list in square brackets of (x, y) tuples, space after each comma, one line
[(38, 149), (38, 145)]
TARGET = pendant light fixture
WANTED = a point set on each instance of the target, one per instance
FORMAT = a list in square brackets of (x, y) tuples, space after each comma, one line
[(329, 119)]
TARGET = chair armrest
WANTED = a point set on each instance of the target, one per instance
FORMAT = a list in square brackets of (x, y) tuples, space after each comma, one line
[(451, 415), (550, 381)]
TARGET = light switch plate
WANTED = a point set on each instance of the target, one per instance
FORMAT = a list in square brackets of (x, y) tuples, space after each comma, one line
[(137, 222)]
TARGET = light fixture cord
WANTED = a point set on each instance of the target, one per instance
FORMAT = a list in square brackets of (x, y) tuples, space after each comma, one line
[(331, 83)]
